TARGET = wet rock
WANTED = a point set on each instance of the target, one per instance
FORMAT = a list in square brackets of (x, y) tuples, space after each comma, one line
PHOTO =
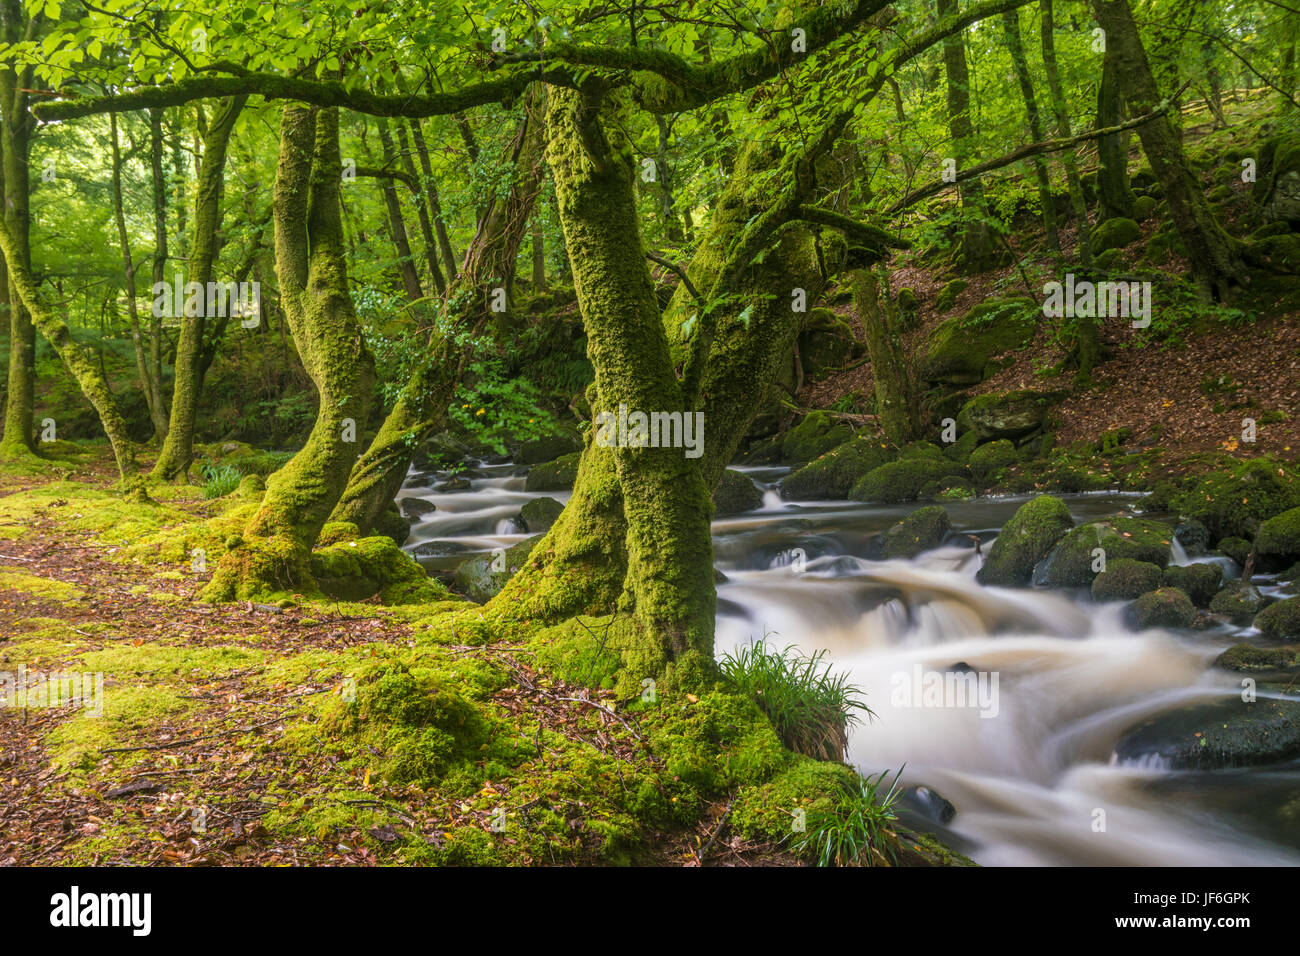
[(922, 530), (987, 460), (441, 451), (558, 475), (735, 494), (459, 483), (482, 576), (415, 508), (1264, 663), (929, 804), (538, 515), (834, 474), (540, 450), (899, 481), (1166, 607), (1230, 733), (1125, 580), (1071, 563), (1030, 535), (438, 549), (1239, 602), (1200, 581), (1279, 538), (1280, 621), (1193, 536), (1236, 548)]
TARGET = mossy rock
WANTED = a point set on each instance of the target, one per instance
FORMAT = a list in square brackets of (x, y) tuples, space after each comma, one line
[(987, 460), (735, 493), (907, 310), (1199, 581), (1114, 234), (899, 481), (537, 451), (1239, 602), (1279, 537), (1144, 207), (392, 524), (923, 530), (826, 343), (1280, 621), (960, 450), (948, 294), (1235, 501), (1165, 607), (1025, 540), (482, 576), (1227, 733), (539, 514), (834, 474), (440, 451), (335, 531), (558, 475), (1011, 415), (1281, 251), (815, 435), (1279, 662), (355, 570), (960, 350), (1124, 580), (1277, 185), (1192, 535), (1236, 548), (1221, 194), (1138, 539), (921, 450)]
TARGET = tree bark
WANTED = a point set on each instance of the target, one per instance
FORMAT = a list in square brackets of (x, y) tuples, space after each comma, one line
[(896, 401), (396, 222), (1114, 194), (1016, 45)]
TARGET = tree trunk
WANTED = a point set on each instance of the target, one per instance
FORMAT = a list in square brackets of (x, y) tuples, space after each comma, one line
[(896, 401), (1212, 255), (396, 222), (422, 213), (161, 418), (311, 266), (1016, 45), (178, 450), (1114, 194), (435, 206), (978, 248)]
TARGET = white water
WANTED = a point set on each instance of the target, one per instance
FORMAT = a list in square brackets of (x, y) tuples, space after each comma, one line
[(1030, 782)]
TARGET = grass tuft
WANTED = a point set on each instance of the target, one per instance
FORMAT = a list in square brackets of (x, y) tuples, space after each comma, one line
[(854, 832)]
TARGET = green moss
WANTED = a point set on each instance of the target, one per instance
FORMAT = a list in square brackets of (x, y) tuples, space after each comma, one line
[(816, 434), (1238, 602), (558, 475), (46, 589), (1280, 621), (923, 530), (1166, 607), (359, 569), (1138, 539), (1247, 658), (948, 294), (482, 577), (1199, 581), (1124, 580), (1233, 502), (1114, 234), (1144, 207), (899, 481), (539, 514), (988, 460), (959, 350), (1025, 540), (833, 475), (735, 494), (1236, 548), (130, 713), (769, 812), (1280, 535)]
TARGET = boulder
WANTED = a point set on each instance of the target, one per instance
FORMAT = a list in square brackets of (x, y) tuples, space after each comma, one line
[(416, 508), (1280, 621), (1200, 581), (987, 460), (539, 450), (482, 576), (1124, 580), (1233, 502), (1166, 607), (1114, 234), (538, 515), (960, 350), (1279, 537), (815, 435), (1228, 733), (735, 493), (923, 530), (1266, 663), (834, 474), (898, 481), (1071, 563), (558, 475), (1277, 184), (1025, 540), (1014, 415), (1239, 602)]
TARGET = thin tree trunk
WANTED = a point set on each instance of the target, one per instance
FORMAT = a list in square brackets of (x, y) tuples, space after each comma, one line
[(1114, 195), (896, 401), (1016, 45), (422, 213), (435, 205), (159, 267), (396, 221)]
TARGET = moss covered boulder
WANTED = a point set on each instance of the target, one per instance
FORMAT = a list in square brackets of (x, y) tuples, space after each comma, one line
[(1280, 621), (355, 570), (540, 450), (1236, 548), (1114, 234), (1072, 563), (1013, 415), (558, 475), (1124, 580), (1275, 663), (1239, 602), (1200, 581), (834, 474), (826, 343), (947, 296), (1025, 540), (1165, 607), (987, 460), (923, 530), (960, 350), (899, 481), (815, 435), (735, 493), (1279, 537), (1235, 501), (482, 576), (1277, 186), (538, 515)]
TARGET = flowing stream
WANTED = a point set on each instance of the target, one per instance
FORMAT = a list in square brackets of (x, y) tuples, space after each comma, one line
[(1029, 768)]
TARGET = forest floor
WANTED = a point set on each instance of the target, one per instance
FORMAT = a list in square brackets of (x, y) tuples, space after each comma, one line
[(207, 750)]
